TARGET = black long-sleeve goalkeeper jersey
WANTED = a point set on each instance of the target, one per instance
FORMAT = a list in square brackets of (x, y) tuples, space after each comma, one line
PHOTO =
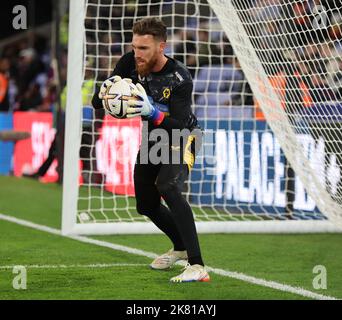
[(170, 89)]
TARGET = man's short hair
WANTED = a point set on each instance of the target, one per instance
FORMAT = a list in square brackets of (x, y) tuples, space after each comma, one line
[(153, 26)]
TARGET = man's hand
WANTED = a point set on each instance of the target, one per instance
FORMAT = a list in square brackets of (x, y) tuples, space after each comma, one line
[(142, 106), (108, 83)]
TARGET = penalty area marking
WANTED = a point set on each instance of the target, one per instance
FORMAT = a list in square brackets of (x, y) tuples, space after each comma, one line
[(221, 272)]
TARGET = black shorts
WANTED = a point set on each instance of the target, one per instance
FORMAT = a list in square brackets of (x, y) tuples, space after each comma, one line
[(151, 180)]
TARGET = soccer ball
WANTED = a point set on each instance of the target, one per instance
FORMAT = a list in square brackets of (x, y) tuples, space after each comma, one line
[(84, 217), (116, 97)]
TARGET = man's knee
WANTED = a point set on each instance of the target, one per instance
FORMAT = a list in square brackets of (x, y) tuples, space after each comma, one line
[(146, 210), (167, 188)]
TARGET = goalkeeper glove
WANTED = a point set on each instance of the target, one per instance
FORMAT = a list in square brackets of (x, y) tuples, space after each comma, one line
[(143, 106), (108, 83)]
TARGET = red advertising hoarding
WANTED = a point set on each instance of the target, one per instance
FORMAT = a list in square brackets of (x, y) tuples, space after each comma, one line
[(116, 149), (29, 154), (116, 152)]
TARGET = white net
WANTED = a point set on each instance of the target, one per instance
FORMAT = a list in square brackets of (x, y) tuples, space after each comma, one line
[(287, 51), (267, 92)]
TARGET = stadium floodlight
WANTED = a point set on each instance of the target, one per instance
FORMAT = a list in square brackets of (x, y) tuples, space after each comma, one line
[(268, 94)]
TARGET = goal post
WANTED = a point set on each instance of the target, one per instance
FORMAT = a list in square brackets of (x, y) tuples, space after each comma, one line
[(73, 116), (271, 155)]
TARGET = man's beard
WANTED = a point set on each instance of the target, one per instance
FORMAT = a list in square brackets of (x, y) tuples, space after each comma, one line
[(145, 69)]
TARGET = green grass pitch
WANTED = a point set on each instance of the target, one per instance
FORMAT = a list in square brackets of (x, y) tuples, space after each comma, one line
[(69, 269)]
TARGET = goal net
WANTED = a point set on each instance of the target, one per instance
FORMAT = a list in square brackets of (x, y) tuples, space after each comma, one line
[(268, 95)]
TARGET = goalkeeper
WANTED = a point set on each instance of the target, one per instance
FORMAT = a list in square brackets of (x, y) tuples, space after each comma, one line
[(168, 85)]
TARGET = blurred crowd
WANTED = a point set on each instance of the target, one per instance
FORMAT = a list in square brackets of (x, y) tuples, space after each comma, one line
[(28, 81), (297, 39), (190, 40), (302, 39), (285, 35)]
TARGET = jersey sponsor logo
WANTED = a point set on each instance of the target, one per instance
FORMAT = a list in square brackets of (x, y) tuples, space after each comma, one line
[(166, 93)]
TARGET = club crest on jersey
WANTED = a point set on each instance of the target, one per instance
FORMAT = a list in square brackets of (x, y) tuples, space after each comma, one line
[(166, 93)]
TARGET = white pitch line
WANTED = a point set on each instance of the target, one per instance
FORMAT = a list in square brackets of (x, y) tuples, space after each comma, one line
[(73, 266), (271, 284), (221, 272)]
